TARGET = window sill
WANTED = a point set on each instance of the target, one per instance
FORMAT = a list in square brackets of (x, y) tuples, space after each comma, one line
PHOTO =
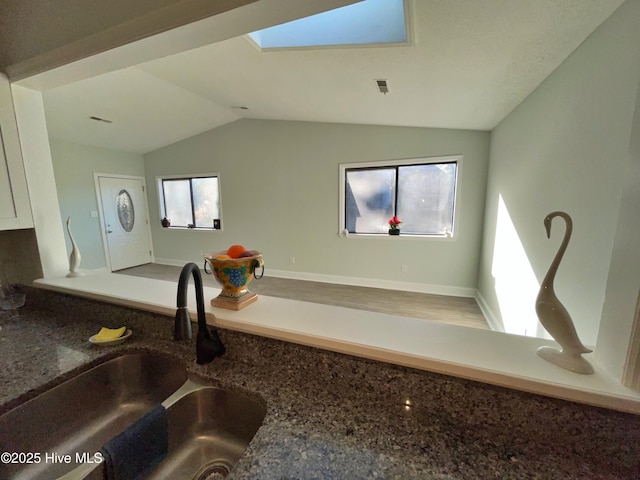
[(198, 229), (402, 235)]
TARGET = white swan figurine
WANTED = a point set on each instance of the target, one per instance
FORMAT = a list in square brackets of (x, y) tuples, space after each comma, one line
[(554, 316), (75, 257)]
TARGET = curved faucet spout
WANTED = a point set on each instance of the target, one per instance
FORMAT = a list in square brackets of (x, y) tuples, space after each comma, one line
[(182, 329), (208, 343)]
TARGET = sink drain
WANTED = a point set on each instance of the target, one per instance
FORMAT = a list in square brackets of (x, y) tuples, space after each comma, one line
[(213, 471)]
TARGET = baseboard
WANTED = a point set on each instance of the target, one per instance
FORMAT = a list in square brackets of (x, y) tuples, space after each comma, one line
[(375, 283), (494, 323), (178, 263)]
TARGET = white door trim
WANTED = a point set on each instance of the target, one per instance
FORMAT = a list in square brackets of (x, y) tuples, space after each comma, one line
[(103, 226)]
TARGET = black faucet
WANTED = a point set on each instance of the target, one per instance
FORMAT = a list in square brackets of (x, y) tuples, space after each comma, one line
[(208, 344)]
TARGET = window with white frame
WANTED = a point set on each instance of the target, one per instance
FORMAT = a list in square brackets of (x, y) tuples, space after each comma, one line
[(420, 192), (191, 201)]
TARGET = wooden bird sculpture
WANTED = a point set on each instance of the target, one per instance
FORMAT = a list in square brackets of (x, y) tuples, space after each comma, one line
[(554, 316)]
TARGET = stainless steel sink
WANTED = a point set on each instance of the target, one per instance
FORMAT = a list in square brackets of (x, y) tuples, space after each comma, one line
[(83, 413), (209, 429)]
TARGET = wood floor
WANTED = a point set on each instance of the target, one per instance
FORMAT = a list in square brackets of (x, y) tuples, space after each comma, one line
[(453, 310)]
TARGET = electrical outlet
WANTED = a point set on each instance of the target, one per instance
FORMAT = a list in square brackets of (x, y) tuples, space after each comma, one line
[(292, 259), (403, 268)]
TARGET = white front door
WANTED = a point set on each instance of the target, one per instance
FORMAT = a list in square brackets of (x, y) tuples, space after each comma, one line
[(125, 221)]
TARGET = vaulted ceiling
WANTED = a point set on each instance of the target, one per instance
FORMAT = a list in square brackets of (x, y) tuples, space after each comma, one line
[(469, 64)]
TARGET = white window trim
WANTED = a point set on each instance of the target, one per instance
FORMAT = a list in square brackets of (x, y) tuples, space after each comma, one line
[(405, 161), (162, 211)]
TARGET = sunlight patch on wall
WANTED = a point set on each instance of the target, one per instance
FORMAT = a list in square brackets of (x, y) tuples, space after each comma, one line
[(516, 285)]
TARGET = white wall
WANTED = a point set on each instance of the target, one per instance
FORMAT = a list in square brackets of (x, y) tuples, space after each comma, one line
[(564, 148), (38, 169), (74, 166), (622, 297), (279, 187)]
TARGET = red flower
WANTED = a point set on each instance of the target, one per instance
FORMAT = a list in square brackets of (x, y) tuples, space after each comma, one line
[(394, 222)]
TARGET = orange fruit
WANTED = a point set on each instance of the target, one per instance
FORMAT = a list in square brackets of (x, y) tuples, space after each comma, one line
[(236, 250)]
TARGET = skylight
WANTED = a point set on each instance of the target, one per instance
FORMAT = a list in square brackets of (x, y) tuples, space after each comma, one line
[(367, 22)]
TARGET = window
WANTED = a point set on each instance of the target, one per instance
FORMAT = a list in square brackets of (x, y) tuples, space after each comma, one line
[(191, 202), (421, 192), (368, 22)]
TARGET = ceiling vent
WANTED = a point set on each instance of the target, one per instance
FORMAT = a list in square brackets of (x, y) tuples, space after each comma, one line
[(98, 119), (382, 86)]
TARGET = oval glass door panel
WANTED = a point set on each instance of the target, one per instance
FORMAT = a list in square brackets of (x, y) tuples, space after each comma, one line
[(126, 212)]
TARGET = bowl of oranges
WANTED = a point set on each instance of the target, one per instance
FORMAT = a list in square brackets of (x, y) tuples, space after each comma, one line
[(234, 268)]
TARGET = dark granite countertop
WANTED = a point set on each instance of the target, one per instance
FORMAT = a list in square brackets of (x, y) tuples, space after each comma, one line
[(333, 416)]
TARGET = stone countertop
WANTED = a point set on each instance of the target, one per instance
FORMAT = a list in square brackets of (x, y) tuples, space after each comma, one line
[(333, 416)]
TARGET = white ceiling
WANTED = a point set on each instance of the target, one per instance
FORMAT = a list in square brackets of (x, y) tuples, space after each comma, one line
[(470, 64)]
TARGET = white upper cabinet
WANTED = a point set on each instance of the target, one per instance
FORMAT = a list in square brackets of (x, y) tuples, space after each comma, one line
[(15, 209)]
